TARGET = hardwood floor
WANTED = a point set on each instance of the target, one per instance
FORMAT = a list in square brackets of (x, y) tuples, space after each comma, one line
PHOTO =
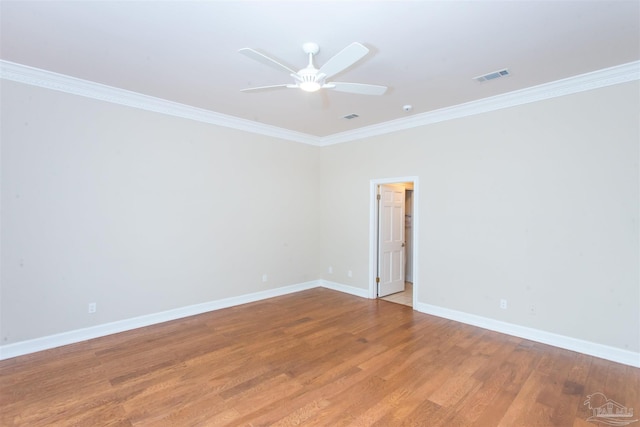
[(314, 358)]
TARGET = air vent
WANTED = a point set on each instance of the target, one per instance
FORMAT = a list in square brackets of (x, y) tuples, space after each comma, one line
[(492, 76), (351, 116)]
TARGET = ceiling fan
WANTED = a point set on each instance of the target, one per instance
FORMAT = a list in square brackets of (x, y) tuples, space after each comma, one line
[(311, 79)]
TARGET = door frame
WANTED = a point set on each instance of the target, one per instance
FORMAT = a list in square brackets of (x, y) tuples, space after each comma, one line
[(373, 232)]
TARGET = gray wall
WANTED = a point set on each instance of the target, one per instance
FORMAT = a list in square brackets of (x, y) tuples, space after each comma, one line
[(142, 212), (537, 204)]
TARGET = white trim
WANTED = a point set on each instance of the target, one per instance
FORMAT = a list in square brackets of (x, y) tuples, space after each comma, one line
[(598, 350), (584, 82), (614, 354), (581, 83), (78, 335), (373, 220), (359, 292), (60, 82)]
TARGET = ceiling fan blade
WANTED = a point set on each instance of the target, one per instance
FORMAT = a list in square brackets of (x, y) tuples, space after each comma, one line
[(359, 88), (260, 57), (255, 89), (344, 59)]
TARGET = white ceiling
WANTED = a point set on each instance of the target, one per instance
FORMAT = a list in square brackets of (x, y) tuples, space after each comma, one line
[(426, 52)]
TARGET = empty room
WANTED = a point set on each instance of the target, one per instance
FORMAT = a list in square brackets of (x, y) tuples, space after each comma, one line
[(320, 213)]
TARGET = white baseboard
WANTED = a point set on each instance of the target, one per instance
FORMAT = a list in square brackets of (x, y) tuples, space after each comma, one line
[(586, 347), (78, 335), (359, 292)]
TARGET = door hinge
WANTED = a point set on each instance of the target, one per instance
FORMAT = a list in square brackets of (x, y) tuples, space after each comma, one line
[(378, 197), (377, 280)]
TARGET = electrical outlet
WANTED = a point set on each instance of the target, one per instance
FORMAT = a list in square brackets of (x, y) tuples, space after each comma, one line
[(92, 307), (503, 304), (265, 278), (350, 273), (532, 309), (330, 270)]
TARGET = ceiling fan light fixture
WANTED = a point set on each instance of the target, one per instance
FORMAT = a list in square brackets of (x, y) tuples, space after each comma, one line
[(310, 86)]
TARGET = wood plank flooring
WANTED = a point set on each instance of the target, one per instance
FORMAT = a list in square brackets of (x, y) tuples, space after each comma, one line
[(314, 358)]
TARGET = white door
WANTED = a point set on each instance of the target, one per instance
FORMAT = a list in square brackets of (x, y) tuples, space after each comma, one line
[(391, 239)]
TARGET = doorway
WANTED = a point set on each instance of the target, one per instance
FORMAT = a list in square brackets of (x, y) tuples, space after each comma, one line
[(388, 232)]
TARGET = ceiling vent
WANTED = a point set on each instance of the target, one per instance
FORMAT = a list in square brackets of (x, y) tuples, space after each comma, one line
[(492, 76), (351, 116)]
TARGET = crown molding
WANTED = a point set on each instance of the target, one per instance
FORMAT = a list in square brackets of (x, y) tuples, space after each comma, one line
[(581, 83), (60, 82), (54, 81)]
